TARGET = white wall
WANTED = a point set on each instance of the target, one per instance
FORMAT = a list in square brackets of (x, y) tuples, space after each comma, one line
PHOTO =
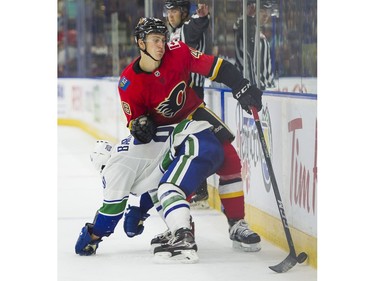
[(94, 102)]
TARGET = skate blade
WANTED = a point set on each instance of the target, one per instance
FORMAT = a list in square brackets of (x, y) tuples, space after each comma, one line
[(186, 256), (153, 246), (255, 247), (200, 205)]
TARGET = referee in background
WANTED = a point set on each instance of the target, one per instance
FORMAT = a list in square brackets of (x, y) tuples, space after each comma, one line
[(266, 74)]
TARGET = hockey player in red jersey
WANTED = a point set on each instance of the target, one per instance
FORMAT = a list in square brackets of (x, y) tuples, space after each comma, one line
[(157, 84)]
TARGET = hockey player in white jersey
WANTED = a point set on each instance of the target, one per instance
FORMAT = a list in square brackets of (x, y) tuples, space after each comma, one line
[(174, 162)]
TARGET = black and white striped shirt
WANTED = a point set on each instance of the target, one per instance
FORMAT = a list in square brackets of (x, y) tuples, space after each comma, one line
[(192, 32), (266, 73)]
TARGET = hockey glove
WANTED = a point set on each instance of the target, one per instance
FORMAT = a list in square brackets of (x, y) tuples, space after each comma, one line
[(248, 95), (133, 223), (85, 246), (142, 128)]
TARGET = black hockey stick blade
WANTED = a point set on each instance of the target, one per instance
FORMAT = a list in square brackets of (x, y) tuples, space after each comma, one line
[(285, 265), (289, 262)]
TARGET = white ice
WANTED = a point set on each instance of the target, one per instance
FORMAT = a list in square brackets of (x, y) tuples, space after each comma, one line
[(121, 258)]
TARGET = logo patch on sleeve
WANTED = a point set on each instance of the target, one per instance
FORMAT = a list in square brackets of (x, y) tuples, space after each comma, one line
[(195, 53), (173, 45), (124, 83), (126, 108)]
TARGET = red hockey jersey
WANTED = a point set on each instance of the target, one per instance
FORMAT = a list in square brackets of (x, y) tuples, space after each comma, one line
[(165, 94)]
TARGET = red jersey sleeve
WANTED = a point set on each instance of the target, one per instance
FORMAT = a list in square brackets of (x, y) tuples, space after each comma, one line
[(214, 68), (132, 102), (204, 64)]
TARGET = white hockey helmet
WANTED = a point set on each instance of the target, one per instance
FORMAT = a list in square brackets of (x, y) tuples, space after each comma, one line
[(101, 154)]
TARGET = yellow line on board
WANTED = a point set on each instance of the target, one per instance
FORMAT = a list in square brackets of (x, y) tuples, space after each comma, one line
[(97, 134)]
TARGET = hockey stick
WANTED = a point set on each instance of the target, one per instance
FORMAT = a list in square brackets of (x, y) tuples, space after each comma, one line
[(292, 259)]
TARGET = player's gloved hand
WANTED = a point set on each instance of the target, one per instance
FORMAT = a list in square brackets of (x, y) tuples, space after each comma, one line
[(142, 128), (100, 154), (248, 95), (133, 223), (85, 245)]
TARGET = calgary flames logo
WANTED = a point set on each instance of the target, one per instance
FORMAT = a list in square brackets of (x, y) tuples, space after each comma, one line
[(174, 102)]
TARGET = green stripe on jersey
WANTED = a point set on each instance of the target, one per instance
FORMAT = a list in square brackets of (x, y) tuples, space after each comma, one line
[(113, 209), (184, 160), (180, 127), (172, 199)]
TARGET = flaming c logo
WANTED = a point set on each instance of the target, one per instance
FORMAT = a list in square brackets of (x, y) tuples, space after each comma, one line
[(174, 102)]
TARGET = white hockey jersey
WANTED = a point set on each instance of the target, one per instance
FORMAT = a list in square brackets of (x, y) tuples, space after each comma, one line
[(133, 167)]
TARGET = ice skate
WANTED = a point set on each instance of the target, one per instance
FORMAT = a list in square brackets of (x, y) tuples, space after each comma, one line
[(180, 249), (160, 239), (200, 199), (164, 237), (199, 203), (243, 237)]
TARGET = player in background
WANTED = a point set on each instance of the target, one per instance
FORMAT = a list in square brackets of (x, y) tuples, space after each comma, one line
[(266, 74), (171, 161), (190, 30), (157, 84)]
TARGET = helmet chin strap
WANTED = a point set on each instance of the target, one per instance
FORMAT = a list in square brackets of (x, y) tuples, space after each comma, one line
[(147, 53)]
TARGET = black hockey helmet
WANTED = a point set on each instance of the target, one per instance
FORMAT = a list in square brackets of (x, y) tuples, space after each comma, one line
[(149, 25), (170, 4), (182, 4)]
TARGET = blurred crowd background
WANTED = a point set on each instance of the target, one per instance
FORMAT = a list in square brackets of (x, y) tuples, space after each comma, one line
[(95, 37)]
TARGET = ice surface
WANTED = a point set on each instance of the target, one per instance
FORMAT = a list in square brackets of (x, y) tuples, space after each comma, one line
[(126, 259)]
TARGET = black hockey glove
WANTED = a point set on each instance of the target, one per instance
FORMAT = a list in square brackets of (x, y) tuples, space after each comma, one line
[(143, 128), (248, 95), (85, 246), (133, 222)]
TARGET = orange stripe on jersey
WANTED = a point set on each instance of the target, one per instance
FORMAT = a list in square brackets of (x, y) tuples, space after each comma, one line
[(216, 69)]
